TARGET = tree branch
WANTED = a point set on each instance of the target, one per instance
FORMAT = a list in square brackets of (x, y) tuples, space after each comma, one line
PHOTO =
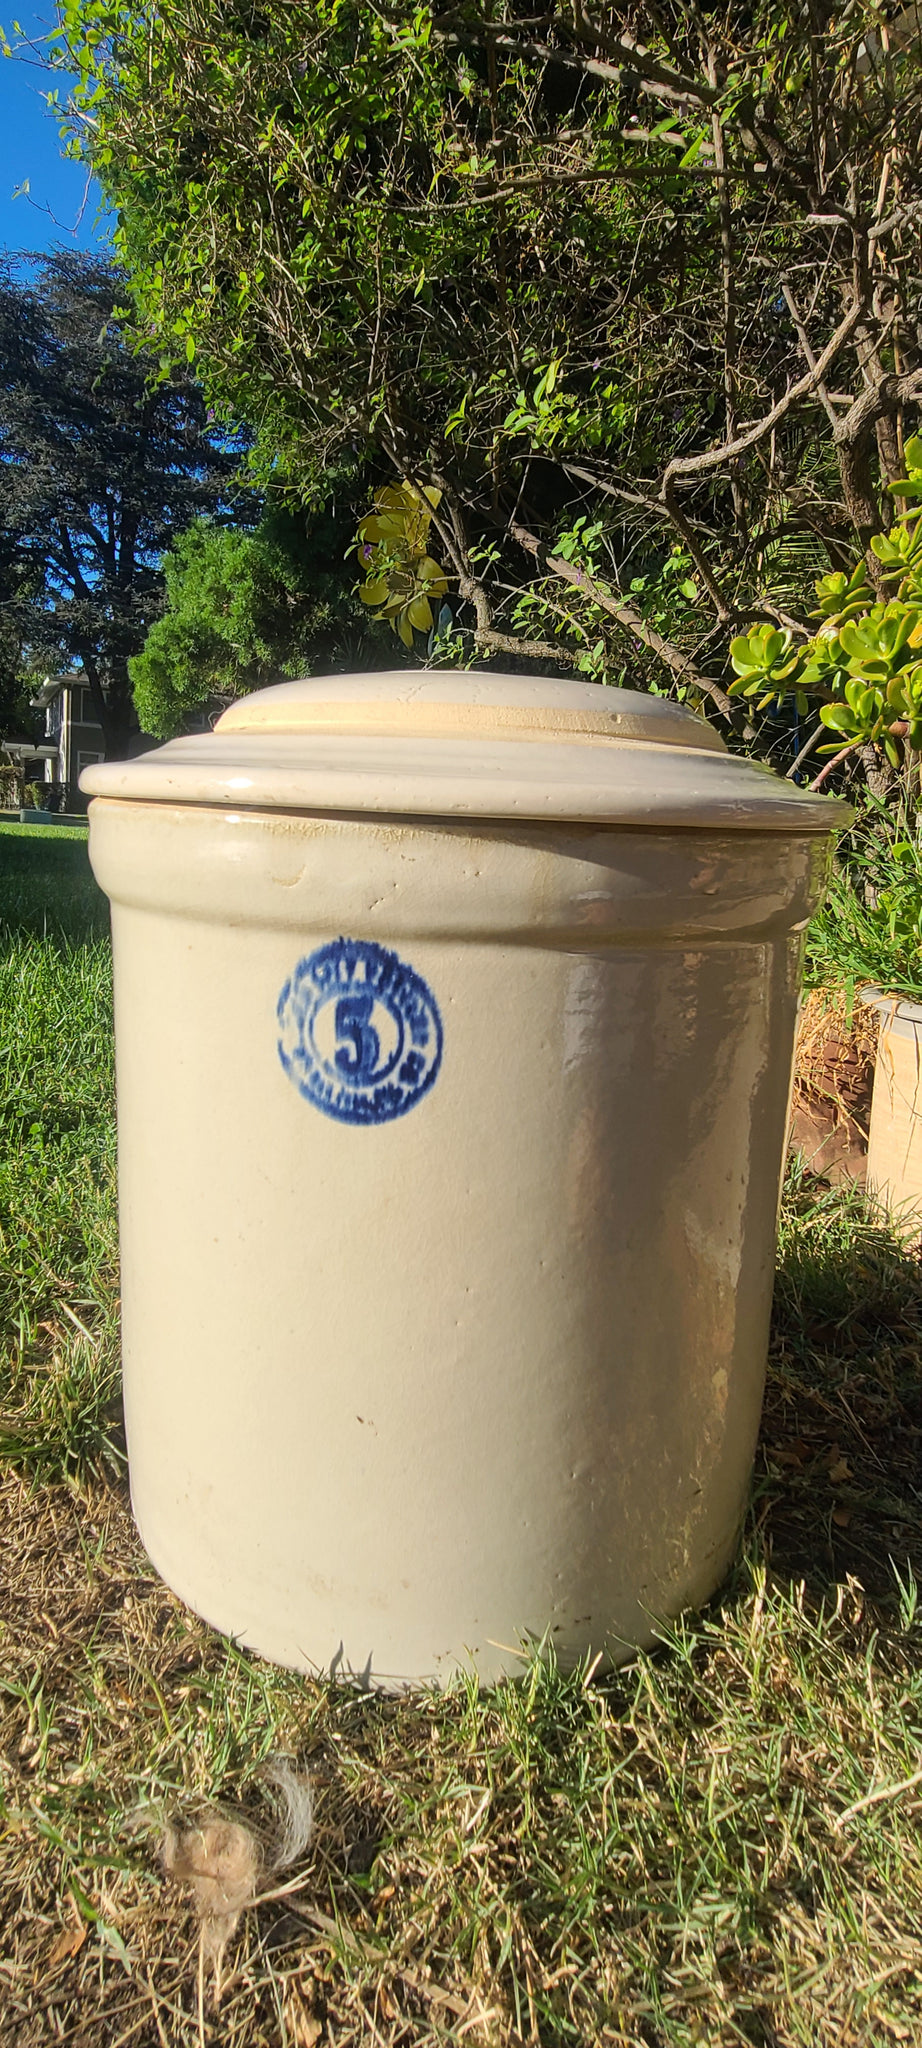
[(679, 664), (895, 220), (842, 755), (806, 750), (851, 440), (472, 591), (715, 458), (822, 390), (659, 508), (633, 56), (728, 281), (81, 587), (527, 650), (630, 57), (686, 533)]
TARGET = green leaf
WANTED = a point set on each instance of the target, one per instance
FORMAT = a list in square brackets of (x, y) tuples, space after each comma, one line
[(740, 653), (691, 155), (838, 717)]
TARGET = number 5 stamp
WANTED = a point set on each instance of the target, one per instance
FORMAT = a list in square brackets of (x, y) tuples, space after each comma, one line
[(360, 1033)]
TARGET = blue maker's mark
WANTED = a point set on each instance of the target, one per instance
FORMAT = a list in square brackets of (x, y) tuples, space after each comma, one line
[(359, 1058), (360, 1033)]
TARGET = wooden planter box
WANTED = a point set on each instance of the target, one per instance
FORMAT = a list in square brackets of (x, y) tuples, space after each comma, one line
[(895, 1141)]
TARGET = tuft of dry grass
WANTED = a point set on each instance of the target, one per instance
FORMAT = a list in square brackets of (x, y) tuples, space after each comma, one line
[(836, 1050), (833, 1083)]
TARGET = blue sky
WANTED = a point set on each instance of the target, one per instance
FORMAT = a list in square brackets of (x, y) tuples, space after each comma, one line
[(57, 210)]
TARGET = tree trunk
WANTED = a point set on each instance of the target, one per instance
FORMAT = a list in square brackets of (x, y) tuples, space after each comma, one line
[(113, 705)]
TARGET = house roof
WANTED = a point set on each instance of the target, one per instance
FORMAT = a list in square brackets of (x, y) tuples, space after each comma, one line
[(52, 685)]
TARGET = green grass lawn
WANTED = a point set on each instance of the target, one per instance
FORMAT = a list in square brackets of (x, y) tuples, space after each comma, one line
[(719, 1845), (46, 886)]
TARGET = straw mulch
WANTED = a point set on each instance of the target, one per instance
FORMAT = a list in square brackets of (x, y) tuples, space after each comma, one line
[(833, 1082)]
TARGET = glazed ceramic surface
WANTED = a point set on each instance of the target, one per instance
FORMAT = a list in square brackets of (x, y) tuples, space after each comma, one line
[(475, 746), (449, 1163)]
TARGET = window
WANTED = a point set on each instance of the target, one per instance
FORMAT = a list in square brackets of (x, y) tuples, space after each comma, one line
[(87, 761)]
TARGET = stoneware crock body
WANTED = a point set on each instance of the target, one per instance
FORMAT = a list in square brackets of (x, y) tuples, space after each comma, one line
[(449, 1155)]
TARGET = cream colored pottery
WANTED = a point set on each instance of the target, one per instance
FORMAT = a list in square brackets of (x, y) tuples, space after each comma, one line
[(454, 1023), (895, 1137)]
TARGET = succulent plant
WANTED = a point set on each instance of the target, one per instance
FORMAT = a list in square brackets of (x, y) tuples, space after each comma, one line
[(864, 662), (402, 579)]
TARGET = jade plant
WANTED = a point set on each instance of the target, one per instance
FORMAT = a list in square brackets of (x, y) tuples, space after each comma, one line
[(864, 662), (401, 578)]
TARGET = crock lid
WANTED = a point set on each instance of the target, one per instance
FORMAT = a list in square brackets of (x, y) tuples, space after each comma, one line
[(421, 704), (463, 745)]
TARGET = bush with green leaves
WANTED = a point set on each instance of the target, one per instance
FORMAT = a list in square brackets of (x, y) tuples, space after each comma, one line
[(244, 609), (614, 283), (864, 664)]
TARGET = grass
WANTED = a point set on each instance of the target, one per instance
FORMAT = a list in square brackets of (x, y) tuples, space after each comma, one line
[(711, 1847), (46, 886), (58, 1242), (870, 927)]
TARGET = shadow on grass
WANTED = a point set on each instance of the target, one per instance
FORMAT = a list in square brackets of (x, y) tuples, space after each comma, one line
[(47, 887), (838, 1488)]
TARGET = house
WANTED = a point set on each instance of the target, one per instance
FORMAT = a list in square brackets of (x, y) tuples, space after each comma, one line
[(22, 762), (73, 736)]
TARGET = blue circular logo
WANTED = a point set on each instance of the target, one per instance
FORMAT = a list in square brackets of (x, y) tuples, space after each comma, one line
[(359, 1032)]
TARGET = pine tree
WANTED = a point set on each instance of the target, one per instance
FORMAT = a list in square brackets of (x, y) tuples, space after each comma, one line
[(103, 461)]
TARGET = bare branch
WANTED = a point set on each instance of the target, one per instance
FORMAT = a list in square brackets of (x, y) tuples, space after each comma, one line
[(527, 650), (911, 211), (806, 750), (471, 589), (842, 755), (659, 509), (822, 390), (631, 58), (715, 458), (852, 440), (686, 533), (679, 664)]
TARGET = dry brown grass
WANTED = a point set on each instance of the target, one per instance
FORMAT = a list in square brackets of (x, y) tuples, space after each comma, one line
[(672, 1857), (833, 1082), (836, 1050), (834, 1072)]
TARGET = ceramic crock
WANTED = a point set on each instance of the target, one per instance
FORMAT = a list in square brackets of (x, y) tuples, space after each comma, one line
[(454, 1027)]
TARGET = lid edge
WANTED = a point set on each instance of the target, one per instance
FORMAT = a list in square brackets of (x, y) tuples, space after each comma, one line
[(407, 796)]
